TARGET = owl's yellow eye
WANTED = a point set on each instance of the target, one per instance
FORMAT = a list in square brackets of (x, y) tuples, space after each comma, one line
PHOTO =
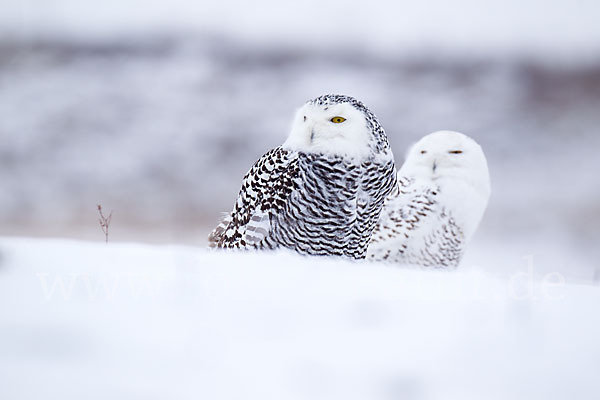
[(338, 120)]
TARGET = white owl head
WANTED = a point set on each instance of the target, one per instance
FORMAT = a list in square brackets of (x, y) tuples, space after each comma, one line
[(336, 125), (447, 155)]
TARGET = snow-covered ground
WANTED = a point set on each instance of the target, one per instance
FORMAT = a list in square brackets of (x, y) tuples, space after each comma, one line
[(95, 321)]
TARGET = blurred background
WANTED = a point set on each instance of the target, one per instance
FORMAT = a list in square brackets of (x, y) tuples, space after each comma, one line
[(156, 109)]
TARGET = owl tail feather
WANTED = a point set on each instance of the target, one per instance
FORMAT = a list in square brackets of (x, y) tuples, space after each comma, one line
[(215, 236)]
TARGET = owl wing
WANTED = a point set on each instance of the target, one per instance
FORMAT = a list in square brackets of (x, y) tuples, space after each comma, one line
[(265, 189), (378, 182)]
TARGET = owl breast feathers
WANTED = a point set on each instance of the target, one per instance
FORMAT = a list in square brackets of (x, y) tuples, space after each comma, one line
[(415, 228), (312, 203)]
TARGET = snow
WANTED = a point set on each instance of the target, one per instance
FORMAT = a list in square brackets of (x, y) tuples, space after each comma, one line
[(89, 320)]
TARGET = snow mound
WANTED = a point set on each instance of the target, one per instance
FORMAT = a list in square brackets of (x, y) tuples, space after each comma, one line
[(82, 320)]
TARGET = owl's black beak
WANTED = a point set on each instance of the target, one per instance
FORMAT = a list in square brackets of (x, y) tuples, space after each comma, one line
[(434, 165)]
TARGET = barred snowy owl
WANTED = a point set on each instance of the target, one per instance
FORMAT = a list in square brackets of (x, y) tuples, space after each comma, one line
[(319, 193), (443, 190)]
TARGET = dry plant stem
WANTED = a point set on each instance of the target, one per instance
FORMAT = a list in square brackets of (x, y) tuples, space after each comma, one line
[(104, 222)]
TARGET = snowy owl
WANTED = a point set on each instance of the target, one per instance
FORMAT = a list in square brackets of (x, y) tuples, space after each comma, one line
[(321, 192), (443, 190)]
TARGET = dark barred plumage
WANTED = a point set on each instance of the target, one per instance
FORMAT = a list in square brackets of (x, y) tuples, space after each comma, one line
[(414, 228), (315, 204), (307, 202)]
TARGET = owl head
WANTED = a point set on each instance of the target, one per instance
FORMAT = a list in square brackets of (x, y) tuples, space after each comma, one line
[(446, 155), (337, 125)]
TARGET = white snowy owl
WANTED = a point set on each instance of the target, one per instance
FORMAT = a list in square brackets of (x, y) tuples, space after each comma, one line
[(443, 190), (321, 192)]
